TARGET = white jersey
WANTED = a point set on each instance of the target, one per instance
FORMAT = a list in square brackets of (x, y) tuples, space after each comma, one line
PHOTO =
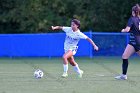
[(72, 38)]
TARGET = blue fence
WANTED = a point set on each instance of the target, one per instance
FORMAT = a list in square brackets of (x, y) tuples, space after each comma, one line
[(110, 44), (50, 45)]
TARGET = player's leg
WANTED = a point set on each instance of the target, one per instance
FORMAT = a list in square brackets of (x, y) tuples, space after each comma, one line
[(65, 62), (72, 61), (127, 53), (75, 66), (129, 50)]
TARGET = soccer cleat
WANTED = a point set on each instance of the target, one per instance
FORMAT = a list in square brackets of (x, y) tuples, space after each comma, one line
[(121, 77), (64, 75), (81, 74)]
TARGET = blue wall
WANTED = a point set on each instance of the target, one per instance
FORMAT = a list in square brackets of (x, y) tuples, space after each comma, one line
[(51, 44), (21, 45)]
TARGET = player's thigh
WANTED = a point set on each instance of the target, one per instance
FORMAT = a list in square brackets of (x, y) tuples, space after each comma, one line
[(68, 54), (129, 50)]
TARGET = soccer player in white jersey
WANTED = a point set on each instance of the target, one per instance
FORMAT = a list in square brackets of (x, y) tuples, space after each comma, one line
[(73, 35)]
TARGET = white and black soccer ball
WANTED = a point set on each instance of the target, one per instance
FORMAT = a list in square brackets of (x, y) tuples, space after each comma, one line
[(38, 73)]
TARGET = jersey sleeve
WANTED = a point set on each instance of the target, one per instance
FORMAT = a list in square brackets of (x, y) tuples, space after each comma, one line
[(66, 29), (82, 35), (130, 22)]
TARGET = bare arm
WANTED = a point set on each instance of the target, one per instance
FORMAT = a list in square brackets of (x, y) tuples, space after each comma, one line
[(127, 29), (57, 27), (93, 44)]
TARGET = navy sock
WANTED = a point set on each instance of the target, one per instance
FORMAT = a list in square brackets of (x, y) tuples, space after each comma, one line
[(124, 66)]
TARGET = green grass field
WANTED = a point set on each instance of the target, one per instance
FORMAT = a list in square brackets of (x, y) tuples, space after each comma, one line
[(16, 76)]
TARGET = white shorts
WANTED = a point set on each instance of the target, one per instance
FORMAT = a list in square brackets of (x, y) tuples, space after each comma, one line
[(74, 50)]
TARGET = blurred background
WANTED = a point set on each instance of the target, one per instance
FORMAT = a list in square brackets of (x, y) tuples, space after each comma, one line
[(36, 16)]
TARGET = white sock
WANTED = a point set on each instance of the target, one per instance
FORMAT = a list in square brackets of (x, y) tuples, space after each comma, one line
[(65, 68), (77, 69)]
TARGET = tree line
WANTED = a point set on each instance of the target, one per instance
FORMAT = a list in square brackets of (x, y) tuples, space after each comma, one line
[(37, 16)]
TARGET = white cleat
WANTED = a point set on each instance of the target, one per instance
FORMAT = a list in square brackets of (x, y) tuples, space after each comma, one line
[(81, 74), (121, 77), (64, 75)]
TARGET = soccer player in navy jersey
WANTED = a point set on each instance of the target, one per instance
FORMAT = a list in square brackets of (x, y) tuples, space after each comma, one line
[(73, 35), (133, 26)]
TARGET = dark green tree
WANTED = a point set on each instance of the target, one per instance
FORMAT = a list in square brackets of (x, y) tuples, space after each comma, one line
[(37, 16)]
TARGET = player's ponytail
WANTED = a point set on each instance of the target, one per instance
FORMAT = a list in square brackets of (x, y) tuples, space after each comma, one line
[(136, 9)]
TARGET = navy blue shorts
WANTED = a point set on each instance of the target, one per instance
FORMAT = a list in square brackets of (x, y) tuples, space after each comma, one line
[(136, 47)]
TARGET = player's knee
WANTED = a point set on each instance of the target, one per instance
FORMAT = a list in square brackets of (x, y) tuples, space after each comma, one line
[(124, 56), (64, 57)]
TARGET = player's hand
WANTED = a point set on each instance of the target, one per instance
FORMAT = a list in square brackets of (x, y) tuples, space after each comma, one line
[(123, 30), (96, 48), (53, 28)]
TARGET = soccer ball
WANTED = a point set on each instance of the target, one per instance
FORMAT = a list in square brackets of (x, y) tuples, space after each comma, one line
[(38, 73)]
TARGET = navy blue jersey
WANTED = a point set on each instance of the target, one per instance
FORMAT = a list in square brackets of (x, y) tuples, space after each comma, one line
[(134, 24)]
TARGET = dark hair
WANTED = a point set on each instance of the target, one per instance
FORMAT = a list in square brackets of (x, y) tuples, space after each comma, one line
[(136, 9), (76, 21)]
